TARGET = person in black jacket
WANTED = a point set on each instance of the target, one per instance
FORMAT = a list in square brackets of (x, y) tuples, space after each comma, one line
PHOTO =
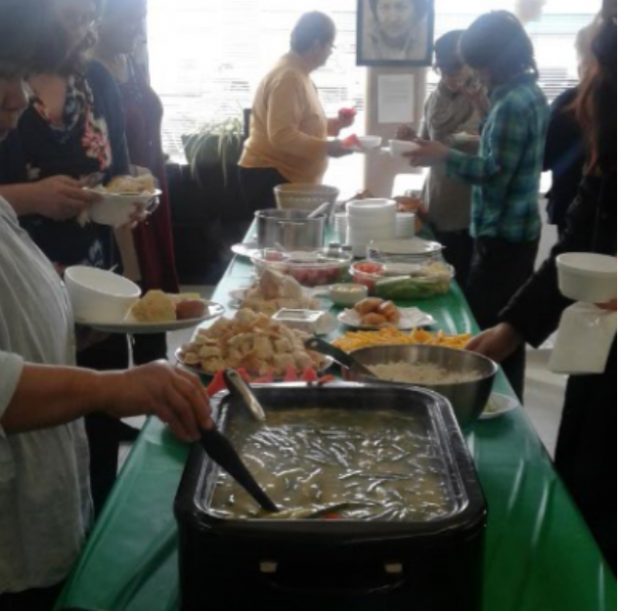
[(566, 154), (586, 455)]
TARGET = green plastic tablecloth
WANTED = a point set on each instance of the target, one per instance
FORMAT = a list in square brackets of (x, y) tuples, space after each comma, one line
[(540, 555)]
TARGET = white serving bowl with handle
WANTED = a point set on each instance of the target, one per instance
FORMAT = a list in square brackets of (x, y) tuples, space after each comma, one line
[(116, 210)]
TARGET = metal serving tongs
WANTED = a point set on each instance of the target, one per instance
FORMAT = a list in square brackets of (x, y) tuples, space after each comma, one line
[(240, 389), (220, 449)]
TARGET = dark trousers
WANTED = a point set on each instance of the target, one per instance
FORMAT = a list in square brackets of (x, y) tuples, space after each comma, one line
[(499, 269), (257, 186), (104, 432), (40, 599), (458, 251), (586, 455), (149, 348)]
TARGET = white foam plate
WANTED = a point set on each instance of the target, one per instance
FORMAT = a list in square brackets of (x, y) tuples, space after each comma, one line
[(411, 318), (413, 246), (499, 406), (132, 327)]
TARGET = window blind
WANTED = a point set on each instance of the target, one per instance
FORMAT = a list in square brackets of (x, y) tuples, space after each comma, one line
[(207, 56), (554, 35)]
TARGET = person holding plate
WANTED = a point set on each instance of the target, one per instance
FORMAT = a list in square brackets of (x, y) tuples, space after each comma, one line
[(72, 129), (505, 174), (587, 448), (120, 33), (450, 117), (46, 509), (289, 132)]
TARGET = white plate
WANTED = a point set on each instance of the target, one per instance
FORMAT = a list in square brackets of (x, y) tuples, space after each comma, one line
[(135, 328), (498, 406), (412, 318), (247, 249), (412, 247), (116, 209), (329, 362)]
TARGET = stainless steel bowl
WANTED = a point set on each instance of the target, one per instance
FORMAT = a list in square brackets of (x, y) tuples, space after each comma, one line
[(468, 399), (290, 229)]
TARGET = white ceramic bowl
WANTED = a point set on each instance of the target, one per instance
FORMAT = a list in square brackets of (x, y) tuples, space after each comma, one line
[(399, 147), (117, 210), (588, 277), (370, 142), (98, 296)]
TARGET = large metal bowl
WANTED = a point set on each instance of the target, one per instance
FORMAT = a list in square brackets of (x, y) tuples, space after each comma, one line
[(468, 399)]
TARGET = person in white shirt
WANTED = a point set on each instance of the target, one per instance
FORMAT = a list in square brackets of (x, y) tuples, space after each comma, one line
[(45, 502)]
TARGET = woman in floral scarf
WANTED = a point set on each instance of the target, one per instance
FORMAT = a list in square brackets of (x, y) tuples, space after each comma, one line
[(72, 131)]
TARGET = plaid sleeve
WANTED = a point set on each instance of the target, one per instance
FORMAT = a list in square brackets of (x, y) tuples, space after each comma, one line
[(506, 138)]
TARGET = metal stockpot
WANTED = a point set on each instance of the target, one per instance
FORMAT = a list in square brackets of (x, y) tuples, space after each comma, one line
[(290, 229)]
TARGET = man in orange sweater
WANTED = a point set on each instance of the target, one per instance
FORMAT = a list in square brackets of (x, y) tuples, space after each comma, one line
[(289, 135)]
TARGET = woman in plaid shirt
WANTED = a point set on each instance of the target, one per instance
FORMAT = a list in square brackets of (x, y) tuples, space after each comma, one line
[(506, 220)]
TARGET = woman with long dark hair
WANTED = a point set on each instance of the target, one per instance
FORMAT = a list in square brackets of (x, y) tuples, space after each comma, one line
[(586, 454)]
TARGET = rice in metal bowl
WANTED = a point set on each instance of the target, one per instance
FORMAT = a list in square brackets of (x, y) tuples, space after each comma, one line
[(422, 374)]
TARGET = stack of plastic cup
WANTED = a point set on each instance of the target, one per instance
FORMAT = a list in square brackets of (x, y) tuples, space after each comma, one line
[(405, 226), (341, 224), (368, 220)]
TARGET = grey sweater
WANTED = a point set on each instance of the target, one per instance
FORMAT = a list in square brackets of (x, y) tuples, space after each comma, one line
[(45, 505), (449, 200)]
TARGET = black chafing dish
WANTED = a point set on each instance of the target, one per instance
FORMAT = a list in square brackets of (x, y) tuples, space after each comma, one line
[(336, 564)]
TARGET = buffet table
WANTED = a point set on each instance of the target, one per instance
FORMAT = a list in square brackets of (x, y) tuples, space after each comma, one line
[(540, 555)]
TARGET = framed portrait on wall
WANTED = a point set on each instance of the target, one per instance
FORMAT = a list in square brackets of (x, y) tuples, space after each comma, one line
[(395, 33)]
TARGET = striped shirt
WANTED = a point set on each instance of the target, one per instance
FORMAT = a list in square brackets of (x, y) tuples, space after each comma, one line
[(506, 174), (45, 503)]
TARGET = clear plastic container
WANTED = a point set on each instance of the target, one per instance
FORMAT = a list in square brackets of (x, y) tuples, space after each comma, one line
[(308, 268), (404, 282)]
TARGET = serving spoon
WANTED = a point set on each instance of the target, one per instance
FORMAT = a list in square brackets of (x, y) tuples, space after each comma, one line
[(340, 357), (320, 210)]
